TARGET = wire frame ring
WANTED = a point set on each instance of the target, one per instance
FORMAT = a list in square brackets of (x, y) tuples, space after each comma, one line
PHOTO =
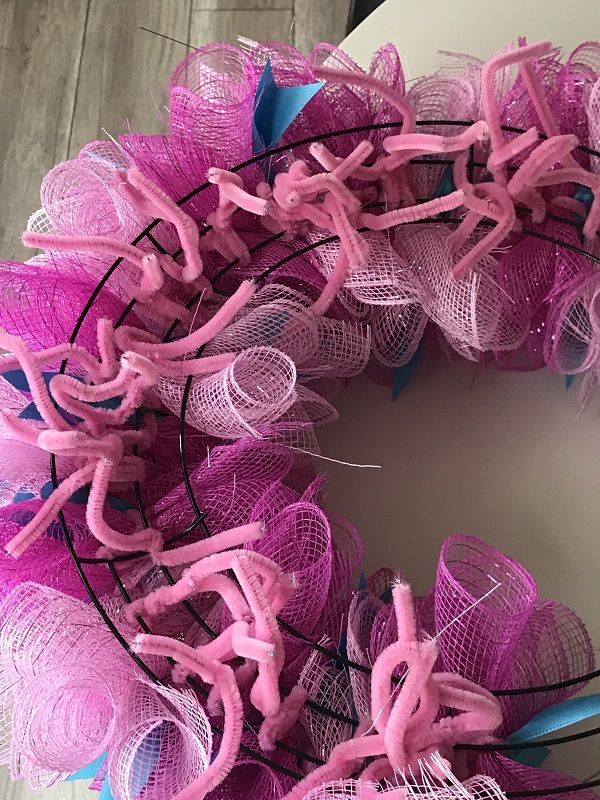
[(199, 520)]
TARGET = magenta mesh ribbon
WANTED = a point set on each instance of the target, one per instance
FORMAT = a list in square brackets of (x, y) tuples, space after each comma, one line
[(29, 290), (256, 376)]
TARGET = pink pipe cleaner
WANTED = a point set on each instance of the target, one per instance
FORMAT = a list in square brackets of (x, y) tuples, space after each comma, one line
[(33, 373), (75, 397), (280, 724), (540, 102), (502, 155), (96, 371), (545, 155), (410, 145), (264, 694), (488, 93), (216, 674), (277, 587), (333, 285), (339, 166), (262, 601), (103, 450), (430, 208), (231, 197), (128, 338), (494, 237), (217, 543), (149, 264), (387, 93), (348, 167), (33, 530), (404, 715), (150, 199), (591, 225)]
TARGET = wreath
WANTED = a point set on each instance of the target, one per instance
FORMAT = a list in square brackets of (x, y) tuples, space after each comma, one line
[(179, 613)]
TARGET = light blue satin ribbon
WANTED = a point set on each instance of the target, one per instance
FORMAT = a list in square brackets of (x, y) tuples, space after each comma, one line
[(551, 719), (276, 107), (557, 717), (89, 773), (144, 764)]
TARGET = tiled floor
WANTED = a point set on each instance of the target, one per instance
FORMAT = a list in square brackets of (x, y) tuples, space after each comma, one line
[(72, 69)]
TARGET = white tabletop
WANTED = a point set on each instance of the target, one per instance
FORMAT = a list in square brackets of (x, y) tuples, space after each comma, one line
[(479, 27)]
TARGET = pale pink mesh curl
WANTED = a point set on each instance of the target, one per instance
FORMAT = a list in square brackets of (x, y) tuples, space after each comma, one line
[(162, 743), (468, 310), (256, 389), (397, 332), (67, 673), (326, 684), (480, 787), (82, 197), (384, 280)]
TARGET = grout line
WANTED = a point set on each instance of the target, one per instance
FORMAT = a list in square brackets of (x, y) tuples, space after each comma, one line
[(249, 8), (189, 27), (79, 63), (295, 31)]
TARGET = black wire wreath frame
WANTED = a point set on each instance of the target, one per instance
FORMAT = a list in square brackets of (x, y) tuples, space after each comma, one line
[(200, 521)]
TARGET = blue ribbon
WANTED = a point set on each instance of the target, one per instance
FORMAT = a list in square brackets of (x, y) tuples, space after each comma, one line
[(144, 764), (105, 792), (446, 185), (80, 496), (551, 719), (585, 195), (276, 107), (402, 375), (557, 717), (146, 759), (18, 379), (89, 772)]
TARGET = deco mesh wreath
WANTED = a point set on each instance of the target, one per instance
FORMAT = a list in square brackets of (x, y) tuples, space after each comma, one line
[(178, 616)]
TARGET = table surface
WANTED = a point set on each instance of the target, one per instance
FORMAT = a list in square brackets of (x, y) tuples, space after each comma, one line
[(420, 30)]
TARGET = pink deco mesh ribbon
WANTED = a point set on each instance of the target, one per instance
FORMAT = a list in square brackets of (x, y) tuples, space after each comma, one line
[(255, 324), (63, 674)]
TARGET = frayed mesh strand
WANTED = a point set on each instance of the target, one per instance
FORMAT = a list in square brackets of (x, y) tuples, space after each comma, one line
[(268, 648)]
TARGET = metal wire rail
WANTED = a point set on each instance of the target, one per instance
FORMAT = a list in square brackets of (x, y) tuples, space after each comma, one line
[(200, 521)]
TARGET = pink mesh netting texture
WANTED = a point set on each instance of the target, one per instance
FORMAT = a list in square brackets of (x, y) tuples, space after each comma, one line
[(195, 623)]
